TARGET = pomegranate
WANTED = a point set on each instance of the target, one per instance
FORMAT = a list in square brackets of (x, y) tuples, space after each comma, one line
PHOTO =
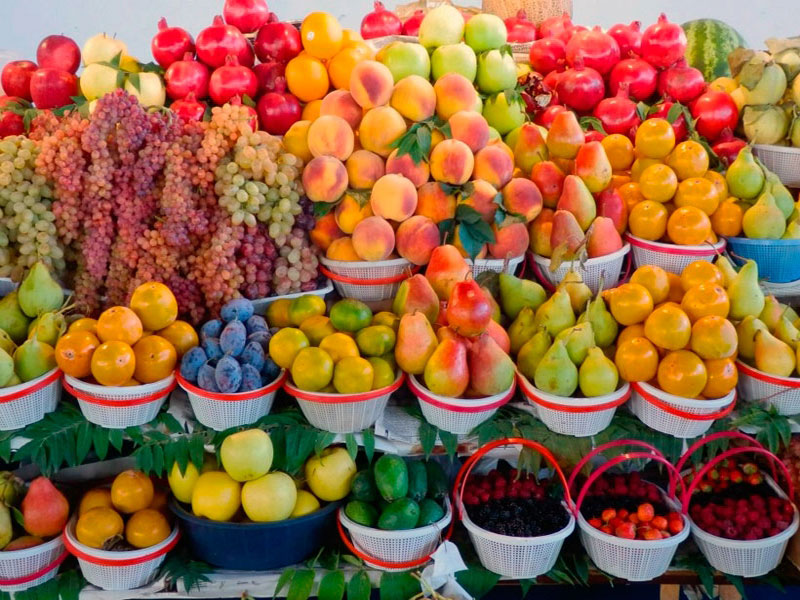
[(253, 121), (268, 74), (16, 78), (555, 26), (246, 15), (629, 38), (231, 79), (593, 136), (547, 54), (580, 88), (277, 111), (640, 76), (380, 22), (678, 125), (10, 122), (53, 88), (681, 82), (520, 29), (566, 35), (545, 118), (189, 109), (618, 113), (551, 81), (411, 25), (59, 52), (278, 42), (187, 76), (219, 40), (170, 44), (728, 146), (663, 43), (714, 111), (597, 50)]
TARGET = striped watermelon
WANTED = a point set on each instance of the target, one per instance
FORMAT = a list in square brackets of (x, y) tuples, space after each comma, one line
[(710, 42)]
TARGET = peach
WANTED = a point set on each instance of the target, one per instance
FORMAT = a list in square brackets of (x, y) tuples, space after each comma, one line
[(510, 241), (521, 196), (540, 230), (350, 212), (342, 249), (340, 103), (471, 128), (414, 98), (416, 239), (379, 128), (371, 84), (393, 197), (373, 239), (434, 203), (481, 198), (331, 136), (325, 179), (460, 246), (364, 168), (494, 165), (325, 232), (454, 92), (404, 165), (452, 162)]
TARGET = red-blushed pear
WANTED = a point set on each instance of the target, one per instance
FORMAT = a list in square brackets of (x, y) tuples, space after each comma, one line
[(447, 371), (530, 148), (446, 268), (499, 335), (522, 196), (565, 136), (441, 320), (45, 510), (415, 294), (510, 240), (610, 204), (578, 200), (593, 167), (497, 313), (416, 342), (491, 370), (566, 233), (549, 178), (468, 309), (603, 238), (540, 231), (446, 333)]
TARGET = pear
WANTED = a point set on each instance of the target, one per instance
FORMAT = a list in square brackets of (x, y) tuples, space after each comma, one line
[(530, 148), (745, 177), (746, 332), (593, 167), (792, 231), (774, 356), (447, 371), (726, 268), (598, 374), (6, 343), (772, 313), (6, 526), (39, 292), (491, 371), (49, 327), (532, 352), (556, 314), (578, 339), (786, 332), (497, 313), (745, 294), (604, 325), (33, 359), (416, 341), (6, 368), (15, 380), (577, 199), (764, 220), (565, 136), (522, 329), (579, 292), (12, 320), (789, 313), (783, 197), (556, 374), (516, 294)]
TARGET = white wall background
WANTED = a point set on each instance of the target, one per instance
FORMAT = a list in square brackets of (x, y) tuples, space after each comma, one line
[(24, 22)]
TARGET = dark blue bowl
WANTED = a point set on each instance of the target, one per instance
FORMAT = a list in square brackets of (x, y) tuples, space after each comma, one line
[(257, 546)]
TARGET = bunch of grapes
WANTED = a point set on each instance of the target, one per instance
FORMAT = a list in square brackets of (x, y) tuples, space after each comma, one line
[(296, 268), (256, 258)]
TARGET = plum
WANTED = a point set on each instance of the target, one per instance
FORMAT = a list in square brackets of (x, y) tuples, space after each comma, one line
[(228, 375), (233, 338), (251, 378), (262, 337), (206, 378), (212, 348), (256, 323), (211, 329), (191, 363), (239, 309), (253, 354), (270, 370)]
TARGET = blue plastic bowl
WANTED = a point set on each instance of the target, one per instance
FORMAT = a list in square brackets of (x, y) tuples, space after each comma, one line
[(257, 546), (778, 260)]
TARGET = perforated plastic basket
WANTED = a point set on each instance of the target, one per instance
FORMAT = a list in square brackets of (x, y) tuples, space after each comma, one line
[(498, 265), (781, 392), (781, 160), (581, 417), (676, 416), (260, 304), (671, 257), (608, 267), (457, 415), (367, 281), (343, 413), (222, 411), (28, 402), (120, 407), (24, 569), (777, 259)]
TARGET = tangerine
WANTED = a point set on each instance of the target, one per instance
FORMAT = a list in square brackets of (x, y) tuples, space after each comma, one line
[(658, 182), (311, 112), (131, 491), (146, 528), (181, 335), (155, 305), (113, 363), (699, 192), (307, 78), (95, 498), (322, 35), (341, 65), (668, 327), (74, 352), (83, 324), (688, 159), (675, 289), (339, 346), (640, 164), (155, 359), (636, 359), (727, 219), (648, 220), (655, 138), (285, 344), (98, 526), (619, 150), (706, 299), (688, 226), (655, 279), (722, 377), (119, 324), (630, 303), (629, 333), (682, 373), (720, 184), (714, 337), (631, 194), (700, 271)]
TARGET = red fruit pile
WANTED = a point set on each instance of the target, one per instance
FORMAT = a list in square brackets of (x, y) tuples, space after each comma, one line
[(731, 473), (641, 524), (753, 517), (495, 486), (630, 485)]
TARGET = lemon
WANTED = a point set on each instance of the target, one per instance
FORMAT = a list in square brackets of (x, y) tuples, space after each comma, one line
[(216, 496), (284, 346), (386, 318), (317, 328), (376, 340), (278, 313), (353, 375), (350, 315), (339, 345), (269, 498), (182, 484), (383, 373), (304, 307), (306, 504), (330, 473), (246, 455), (312, 370)]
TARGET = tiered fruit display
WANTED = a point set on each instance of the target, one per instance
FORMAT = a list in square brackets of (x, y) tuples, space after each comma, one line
[(43, 508), (771, 341), (791, 458)]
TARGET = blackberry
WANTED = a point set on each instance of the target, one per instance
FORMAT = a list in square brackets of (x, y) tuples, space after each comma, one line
[(519, 517)]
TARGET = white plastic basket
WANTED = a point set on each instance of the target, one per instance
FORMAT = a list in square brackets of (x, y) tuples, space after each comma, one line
[(260, 304), (24, 569), (367, 281), (781, 392), (343, 413), (609, 267), (222, 411), (123, 570), (676, 416), (580, 417), (457, 415), (671, 257), (781, 160), (28, 402), (120, 407), (498, 265)]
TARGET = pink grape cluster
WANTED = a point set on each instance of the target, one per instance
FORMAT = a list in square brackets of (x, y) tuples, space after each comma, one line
[(255, 258)]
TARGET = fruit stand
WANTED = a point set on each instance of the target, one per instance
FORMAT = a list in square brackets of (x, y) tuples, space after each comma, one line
[(449, 303)]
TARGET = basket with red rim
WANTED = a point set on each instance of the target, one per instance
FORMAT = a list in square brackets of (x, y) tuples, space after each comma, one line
[(29, 567), (365, 280), (457, 415), (743, 557), (579, 417), (607, 268), (119, 407), (673, 258), (674, 415), (507, 555), (122, 570), (220, 411), (343, 413), (781, 392), (629, 557), (28, 402), (498, 265)]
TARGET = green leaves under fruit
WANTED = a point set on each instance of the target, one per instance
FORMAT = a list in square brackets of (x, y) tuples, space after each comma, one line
[(359, 586), (587, 123), (416, 142)]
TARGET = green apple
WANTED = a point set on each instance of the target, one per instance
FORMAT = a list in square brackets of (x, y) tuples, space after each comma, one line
[(454, 58), (98, 80), (497, 71), (150, 89), (102, 48), (404, 59), (502, 115), (441, 26), (494, 134), (485, 32)]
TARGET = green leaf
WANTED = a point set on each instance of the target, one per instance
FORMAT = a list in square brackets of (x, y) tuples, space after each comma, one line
[(196, 451), (323, 208), (592, 122), (359, 586), (351, 445), (115, 438), (424, 140), (283, 581), (526, 585), (144, 459), (83, 442), (674, 112), (368, 439), (300, 588), (450, 442), (477, 581), (17, 515), (69, 585), (352, 560), (427, 437), (179, 566), (738, 583), (331, 587), (325, 439), (642, 110), (248, 101), (398, 586), (100, 442)]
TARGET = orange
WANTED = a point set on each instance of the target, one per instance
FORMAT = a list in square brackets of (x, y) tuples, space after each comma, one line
[(640, 164), (311, 111), (675, 289), (619, 179), (146, 528), (629, 333), (630, 303), (160, 500), (668, 327), (688, 226), (120, 324), (619, 150), (351, 36), (722, 377), (655, 138), (658, 182), (307, 79), (688, 159), (683, 374), (714, 337), (648, 220), (98, 526), (113, 363), (699, 192), (181, 335), (95, 498), (74, 352), (727, 219), (155, 359), (700, 271), (654, 279), (636, 359), (341, 65), (131, 491), (83, 324), (321, 34), (155, 305), (631, 194), (720, 184), (706, 299)]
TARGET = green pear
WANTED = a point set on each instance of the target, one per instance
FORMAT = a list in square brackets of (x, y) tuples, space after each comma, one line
[(774, 356), (12, 320), (6, 367), (6, 525), (522, 329), (789, 313), (786, 332), (746, 332), (745, 294), (556, 314), (783, 197), (727, 269), (532, 352), (792, 230), (49, 327), (33, 359), (39, 292), (764, 220), (6, 343), (744, 176), (604, 325), (598, 375), (556, 374), (772, 313), (579, 293), (578, 339), (15, 380), (516, 294)]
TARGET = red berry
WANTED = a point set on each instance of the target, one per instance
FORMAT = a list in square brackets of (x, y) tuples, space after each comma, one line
[(755, 479), (659, 523), (485, 496), (626, 531), (781, 525), (645, 512), (597, 523), (737, 476), (633, 518), (609, 514), (607, 529), (773, 531), (676, 525), (652, 534), (615, 522), (622, 513)]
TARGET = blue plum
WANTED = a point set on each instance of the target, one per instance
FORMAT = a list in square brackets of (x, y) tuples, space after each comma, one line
[(256, 323), (251, 378), (228, 375), (191, 363), (211, 329), (239, 309), (206, 378), (253, 354), (212, 348)]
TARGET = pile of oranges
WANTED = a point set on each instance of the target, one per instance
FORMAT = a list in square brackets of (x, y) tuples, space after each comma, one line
[(103, 512), (128, 345), (677, 336)]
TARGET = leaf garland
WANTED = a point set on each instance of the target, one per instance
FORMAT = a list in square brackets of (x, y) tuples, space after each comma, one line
[(417, 141)]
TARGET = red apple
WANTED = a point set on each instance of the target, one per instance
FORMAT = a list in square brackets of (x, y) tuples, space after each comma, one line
[(53, 88), (16, 78), (10, 122), (59, 52)]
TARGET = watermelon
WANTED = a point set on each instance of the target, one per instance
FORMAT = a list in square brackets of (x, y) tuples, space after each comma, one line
[(709, 43)]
